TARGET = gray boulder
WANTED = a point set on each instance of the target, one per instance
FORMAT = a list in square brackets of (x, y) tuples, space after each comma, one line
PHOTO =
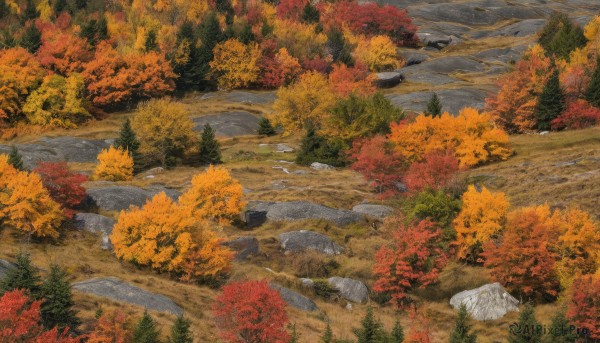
[(300, 210), (321, 166), (488, 302), (93, 222), (434, 39), (414, 57), (371, 210), (119, 290), (254, 218), (243, 246), (350, 289), (453, 100), (388, 79), (251, 98), (294, 299), (298, 241), (117, 198), (446, 65), (5, 266), (229, 124)]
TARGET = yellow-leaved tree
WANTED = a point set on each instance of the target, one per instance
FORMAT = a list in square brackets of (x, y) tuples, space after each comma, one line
[(25, 204), (481, 218), (163, 236), (214, 195), (236, 63), (164, 129), (304, 103), (114, 164), (471, 136), (377, 53)]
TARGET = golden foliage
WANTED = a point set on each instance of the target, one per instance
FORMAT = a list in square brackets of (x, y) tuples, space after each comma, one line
[(482, 217), (114, 164), (25, 204), (471, 136), (165, 237), (305, 102), (378, 53), (300, 40), (236, 63), (164, 129), (214, 195)]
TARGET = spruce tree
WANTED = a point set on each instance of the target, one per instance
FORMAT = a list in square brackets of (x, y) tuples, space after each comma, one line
[(434, 106), (551, 102), (30, 13), (128, 141), (310, 14), (146, 331), (371, 330), (151, 43), (561, 326), (23, 276), (525, 329), (592, 93), (246, 36), (180, 332), (81, 4), (31, 39), (339, 48), (461, 328), (316, 148), (57, 306), (397, 334), (265, 128), (210, 152), (60, 5), (15, 159), (327, 335)]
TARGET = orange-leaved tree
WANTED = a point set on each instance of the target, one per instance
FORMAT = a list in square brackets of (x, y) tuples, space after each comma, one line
[(471, 136), (584, 306), (214, 195), (110, 327), (114, 164), (346, 80), (435, 172), (63, 52), (279, 69), (413, 259), (163, 236), (523, 259), (481, 219), (236, 63), (25, 204)]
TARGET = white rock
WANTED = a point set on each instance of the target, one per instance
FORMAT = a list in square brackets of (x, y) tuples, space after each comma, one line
[(488, 302)]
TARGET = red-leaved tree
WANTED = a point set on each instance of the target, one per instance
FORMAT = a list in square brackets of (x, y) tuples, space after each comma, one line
[(584, 308), (62, 51), (250, 311), (414, 259), (346, 80), (63, 185), (291, 9), (578, 115), (111, 327), (435, 172), (378, 163)]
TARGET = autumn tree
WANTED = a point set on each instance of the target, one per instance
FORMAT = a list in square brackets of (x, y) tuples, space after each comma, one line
[(251, 311), (304, 103), (346, 80), (436, 171), (214, 195), (114, 164), (435, 206), (584, 307), (551, 102), (523, 259), (58, 102), (110, 327), (291, 9), (471, 136), (164, 129), (57, 301), (163, 236), (481, 219), (420, 331), (280, 69), (376, 160), (378, 54), (578, 115), (210, 149), (413, 259), (303, 41), (146, 330), (235, 63), (129, 142), (64, 185), (63, 52)]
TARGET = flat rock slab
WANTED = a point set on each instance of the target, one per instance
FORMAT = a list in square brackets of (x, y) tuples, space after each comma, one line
[(520, 29), (488, 302), (5, 266), (95, 223), (350, 289), (298, 241), (243, 246), (119, 290), (69, 149), (117, 198), (445, 65), (294, 299), (301, 210), (229, 124), (505, 55), (245, 97), (453, 100), (372, 210)]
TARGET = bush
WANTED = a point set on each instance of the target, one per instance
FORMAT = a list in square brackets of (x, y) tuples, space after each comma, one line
[(578, 115), (64, 185), (435, 206), (114, 165), (316, 148)]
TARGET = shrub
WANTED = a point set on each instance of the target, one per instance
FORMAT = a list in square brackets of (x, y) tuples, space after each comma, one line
[(435, 206), (436, 171), (63, 185), (114, 164), (578, 115), (317, 148)]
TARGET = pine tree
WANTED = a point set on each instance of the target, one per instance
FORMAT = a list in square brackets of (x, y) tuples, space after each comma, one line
[(371, 330), (461, 328), (339, 48), (397, 334), (60, 5), (551, 102), (310, 14), (180, 332), (561, 326), (31, 39), (246, 36), (80, 4), (327, 335), (316, 148), (146, 330), (525, 330), (23, 276), (128, 141), (210, 36), (57, 306), (434, 106), (15, 159), (30, 13), (210, 152), (265, 128), (151, 44), (592, 94)]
